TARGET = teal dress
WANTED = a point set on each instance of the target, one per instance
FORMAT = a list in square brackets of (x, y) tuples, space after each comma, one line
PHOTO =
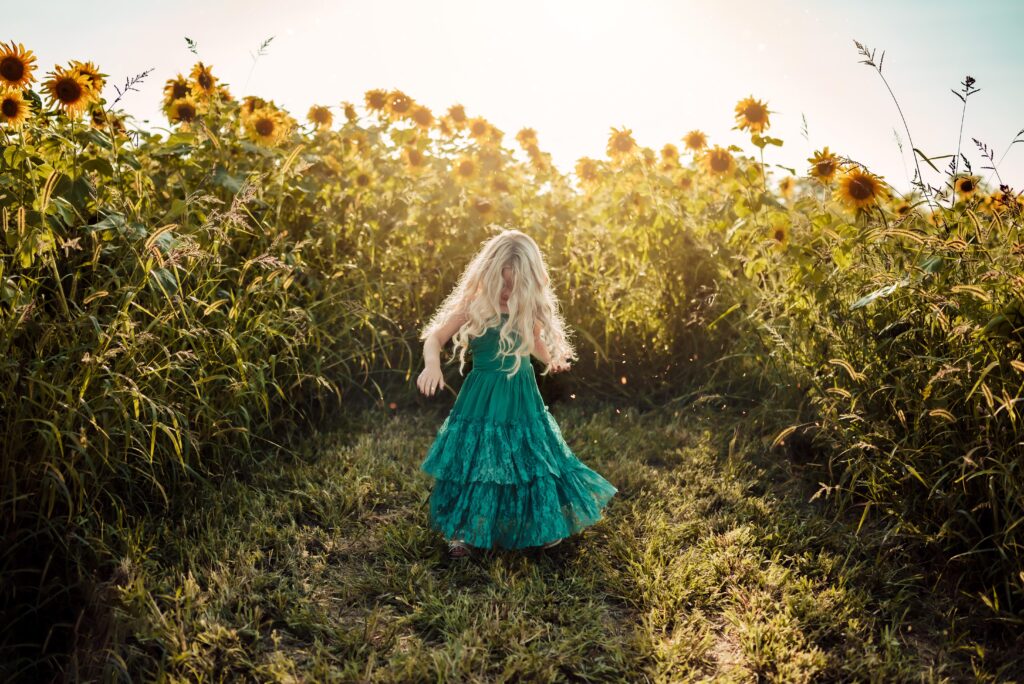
[(504, 476)]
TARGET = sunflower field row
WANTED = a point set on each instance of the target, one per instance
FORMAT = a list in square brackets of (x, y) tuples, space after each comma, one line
[(174, 305)]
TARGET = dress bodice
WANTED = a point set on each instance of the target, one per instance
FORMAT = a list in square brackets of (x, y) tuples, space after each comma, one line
[(484, 349)]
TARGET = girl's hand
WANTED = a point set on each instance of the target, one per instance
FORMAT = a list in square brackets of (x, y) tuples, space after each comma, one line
[(429, 380)]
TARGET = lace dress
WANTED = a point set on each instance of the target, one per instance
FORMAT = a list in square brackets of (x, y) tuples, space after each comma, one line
[(504, 475)]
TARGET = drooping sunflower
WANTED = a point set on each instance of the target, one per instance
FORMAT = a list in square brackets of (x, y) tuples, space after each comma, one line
[(92, 75), (13, 108), (649, 156), (376, 100), (786, 187), (752, 115), (251, 103), (902, 208), (203, 80), (859, 188), (16, 66), (824, 165), (399, 104), (350, 111), (587, 170), (719, 162), (966, 186), (621, 143), (684, 181), (457, 114), (321, 116), (670, 152), (267, 126), (466, 168), (695, 141), (68, 90), (422, 116), (224, 94), (478, 127), (483, 206), (414, 158), (175, 89), (183, 111), (445, 127), (526, 137)]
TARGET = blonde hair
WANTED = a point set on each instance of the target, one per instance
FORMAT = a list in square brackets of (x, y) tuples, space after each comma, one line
[(531, 301)]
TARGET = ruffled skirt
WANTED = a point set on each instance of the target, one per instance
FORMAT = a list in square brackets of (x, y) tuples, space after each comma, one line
[(504, 475)]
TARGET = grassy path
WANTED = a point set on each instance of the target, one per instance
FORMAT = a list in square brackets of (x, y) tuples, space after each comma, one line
[(709, 565)]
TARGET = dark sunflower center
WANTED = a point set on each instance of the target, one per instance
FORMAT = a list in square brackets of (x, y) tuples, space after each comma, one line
[(68, 90), (825, 168), (623, 144), (754, 113), (719, 162), (180, 90), (479, 129), (415, 157), (12, 68), (205, 80), (861, 189), (10, 108), (966, 185), (466, 168), (780, 234), (265, 127), (363, 180), (186, 112)]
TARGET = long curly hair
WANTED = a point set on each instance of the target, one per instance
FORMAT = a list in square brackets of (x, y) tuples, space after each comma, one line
[(515, 256)]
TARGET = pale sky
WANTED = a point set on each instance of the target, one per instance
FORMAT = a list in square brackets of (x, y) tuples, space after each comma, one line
[(572, 69)]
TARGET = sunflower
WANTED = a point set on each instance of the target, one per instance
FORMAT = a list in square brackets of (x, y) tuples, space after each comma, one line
[(446, 128), (478, 127), (13, 108), (267, 126), (620, 143), (92, 75), (649, 156), (786, 186), (175, 89), (494, 136), (670, 152), (414, 158), (422, 116), (718, 161), (376, 100), (16, 65), (183, 111), (321, 116), (586, 170), (399, 104), (203, 78), (824, 165), (483, 206), (457, 114), (684, 181), (251, 103), (695, 141), (350, 111), (466, 168), (526, 137), (779, 232), (499, 184), (69, 90), (966, 186), (859, 188), (902, 208), (752, 115), (364, 179)]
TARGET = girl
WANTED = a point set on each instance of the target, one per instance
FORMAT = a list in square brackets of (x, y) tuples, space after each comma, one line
[(504, 476)]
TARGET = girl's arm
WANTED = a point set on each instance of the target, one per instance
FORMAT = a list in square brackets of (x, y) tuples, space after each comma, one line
[(431, 377), (433, 344), (542, 353)]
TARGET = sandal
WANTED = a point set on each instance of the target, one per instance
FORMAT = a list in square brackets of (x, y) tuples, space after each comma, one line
[(457, 549), (552, 543)]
